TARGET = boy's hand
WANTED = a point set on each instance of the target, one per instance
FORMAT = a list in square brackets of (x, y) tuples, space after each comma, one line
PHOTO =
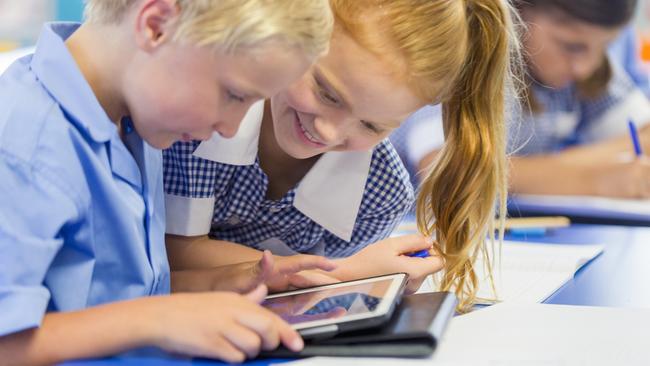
[(219, 325), (279, 273), (391, 256)]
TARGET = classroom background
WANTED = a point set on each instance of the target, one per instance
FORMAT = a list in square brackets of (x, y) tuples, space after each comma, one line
[(20, 21)]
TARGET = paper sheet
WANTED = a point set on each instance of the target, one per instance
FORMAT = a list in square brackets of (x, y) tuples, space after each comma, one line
[(597, 206), (530, 273), (533, 335)]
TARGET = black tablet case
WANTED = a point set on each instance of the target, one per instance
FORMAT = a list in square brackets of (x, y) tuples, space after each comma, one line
[(413, 331)]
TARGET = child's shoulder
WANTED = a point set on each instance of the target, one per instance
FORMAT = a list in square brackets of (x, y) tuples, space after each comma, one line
[(36, 135), (28, 117), (388, 180), (387, 164)]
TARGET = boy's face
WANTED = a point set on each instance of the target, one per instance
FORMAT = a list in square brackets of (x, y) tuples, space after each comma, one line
[(562, 50), (349, 100), (183, 92)]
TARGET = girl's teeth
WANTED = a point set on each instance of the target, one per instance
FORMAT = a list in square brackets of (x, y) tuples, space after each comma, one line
[(309, 136)]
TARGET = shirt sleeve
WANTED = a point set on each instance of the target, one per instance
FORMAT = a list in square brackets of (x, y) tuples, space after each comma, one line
[(606, 116), (388, 197), (34, 208), (624, 51), (189, 190), (419, 135)]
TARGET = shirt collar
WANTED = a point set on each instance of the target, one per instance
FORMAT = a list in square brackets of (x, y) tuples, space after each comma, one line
[(330, 193), (241, 149), (61, 77)]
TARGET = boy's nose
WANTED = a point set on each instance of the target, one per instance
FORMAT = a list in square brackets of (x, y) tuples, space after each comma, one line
[(226, 129)]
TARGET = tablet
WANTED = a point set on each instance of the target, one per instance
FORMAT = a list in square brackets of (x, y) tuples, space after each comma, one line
[(331, 309)]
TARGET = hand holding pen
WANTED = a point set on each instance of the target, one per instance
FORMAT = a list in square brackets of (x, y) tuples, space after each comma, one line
[(634, 135), (638, 152)]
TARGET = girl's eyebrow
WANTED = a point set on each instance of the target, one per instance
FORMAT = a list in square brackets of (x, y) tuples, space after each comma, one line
[(322, 81)]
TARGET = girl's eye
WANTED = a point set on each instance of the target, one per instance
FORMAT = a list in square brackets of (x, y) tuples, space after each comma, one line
[(235, 97), (327, 97), (574, 48), (371, 127)]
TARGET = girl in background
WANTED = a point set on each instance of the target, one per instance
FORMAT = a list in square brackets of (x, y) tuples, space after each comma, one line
[(572, 137)]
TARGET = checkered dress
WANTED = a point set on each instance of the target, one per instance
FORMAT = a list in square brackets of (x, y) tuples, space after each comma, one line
[(547, 131), (243, 215), (565, 120)]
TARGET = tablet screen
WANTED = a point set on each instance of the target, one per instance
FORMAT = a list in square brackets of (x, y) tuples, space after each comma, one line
[(351, 300)]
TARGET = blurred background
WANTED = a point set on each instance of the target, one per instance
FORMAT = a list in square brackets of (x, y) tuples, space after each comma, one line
[(21, 20)]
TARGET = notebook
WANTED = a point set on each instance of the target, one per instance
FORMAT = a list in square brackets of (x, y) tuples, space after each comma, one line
[(582, 206), (529, 273)]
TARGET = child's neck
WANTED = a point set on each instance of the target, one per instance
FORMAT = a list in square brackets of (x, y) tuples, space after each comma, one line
[(283, 171), (99, 63)]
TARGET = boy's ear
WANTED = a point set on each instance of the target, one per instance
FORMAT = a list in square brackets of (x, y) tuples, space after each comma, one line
[(154, 23)]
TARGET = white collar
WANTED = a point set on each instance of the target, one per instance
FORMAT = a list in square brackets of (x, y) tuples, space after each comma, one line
[(330, 193)]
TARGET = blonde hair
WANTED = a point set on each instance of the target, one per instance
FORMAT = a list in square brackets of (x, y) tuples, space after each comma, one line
[(463, 54), (235, 24)]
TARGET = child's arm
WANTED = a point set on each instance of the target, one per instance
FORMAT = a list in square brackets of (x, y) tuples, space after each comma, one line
[(607, 168), (216, 325), (391, 256), (278, 273), (602, 169), (195, 252)]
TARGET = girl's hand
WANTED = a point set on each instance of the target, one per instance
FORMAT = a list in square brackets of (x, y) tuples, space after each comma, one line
[(629, 179), (299, 271), (219, 325), (391, 256)]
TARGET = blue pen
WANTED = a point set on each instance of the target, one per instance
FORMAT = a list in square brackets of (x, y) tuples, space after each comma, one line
[(420, 254), (635, 139)]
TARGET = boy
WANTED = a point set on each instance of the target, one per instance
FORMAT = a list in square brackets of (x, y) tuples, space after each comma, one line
[(81, 213)]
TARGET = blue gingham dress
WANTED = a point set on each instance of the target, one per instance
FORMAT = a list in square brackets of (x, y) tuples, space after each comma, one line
[(243, 215), (565, 120)]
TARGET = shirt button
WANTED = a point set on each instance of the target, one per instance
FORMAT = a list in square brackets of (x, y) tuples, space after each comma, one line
[(275, 209), (234, 220)]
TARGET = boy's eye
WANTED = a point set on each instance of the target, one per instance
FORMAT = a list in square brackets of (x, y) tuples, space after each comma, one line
[(371, 127), (235, 97)]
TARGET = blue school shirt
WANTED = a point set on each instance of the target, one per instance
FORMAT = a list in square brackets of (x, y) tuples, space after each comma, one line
[(567, 120), (81, 212), (346, 201), (625, 52)]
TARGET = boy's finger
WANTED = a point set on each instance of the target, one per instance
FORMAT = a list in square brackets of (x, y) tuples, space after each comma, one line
[(223, 350), (263, 324), (244, 339), (289, 337), (258, 294)]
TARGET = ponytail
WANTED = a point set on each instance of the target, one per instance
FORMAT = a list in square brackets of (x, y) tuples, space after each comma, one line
[(458, 53), (457, 199)]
